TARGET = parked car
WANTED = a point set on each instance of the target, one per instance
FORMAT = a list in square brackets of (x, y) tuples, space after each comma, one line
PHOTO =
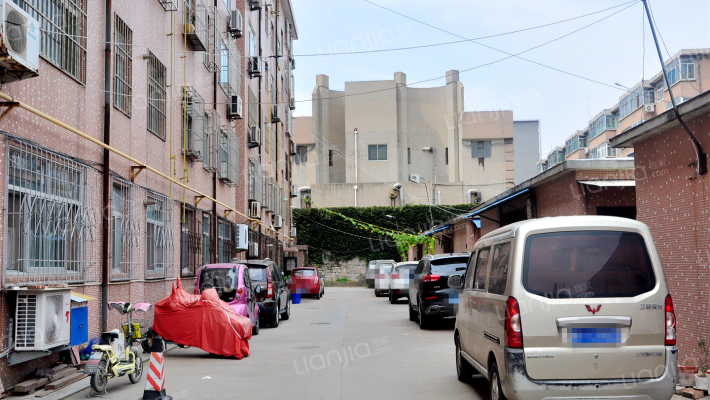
[(372, 271), (575, 306), (274, 297), (383, 269), (233, 285), (307, 281), (430, 297), (400, 280)]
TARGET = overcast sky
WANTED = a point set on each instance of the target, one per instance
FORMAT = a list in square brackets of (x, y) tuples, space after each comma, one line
[(610, 51)]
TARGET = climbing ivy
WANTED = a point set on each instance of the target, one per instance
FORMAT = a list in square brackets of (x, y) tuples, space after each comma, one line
[(340, 234)]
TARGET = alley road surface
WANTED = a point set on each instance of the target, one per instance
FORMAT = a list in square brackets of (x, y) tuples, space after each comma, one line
[(388, 357)]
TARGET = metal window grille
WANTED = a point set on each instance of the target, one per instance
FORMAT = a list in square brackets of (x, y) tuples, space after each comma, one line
[(52, 214), (193, 120), (207, 245), (265, 190), (169, 5), (256, 177), (211, 140), (274, 196), (226, 250), (228, 156), (156, 96), (191, 243), (123, 77), (196, 25), (125, 229), (160, 238), (252, 179), (63, 26), (230, 71), (212, 54), (253, 109)]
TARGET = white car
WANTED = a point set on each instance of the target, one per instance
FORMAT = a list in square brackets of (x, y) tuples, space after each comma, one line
[(382, 277), (401, 279), (567, 307)]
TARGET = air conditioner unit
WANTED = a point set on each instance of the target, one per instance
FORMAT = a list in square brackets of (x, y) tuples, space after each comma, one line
[(42, 320), (255, 210), (292, 104), (255, 67), (242, 237), (236, 24), (293, 63), (254, 136), (416, 178), (275, 114), (294, 148), (278, 222), (19, 53), (293, 232), (255, 5), (649, 108), (234, 109), (294, 191), (253, 249)]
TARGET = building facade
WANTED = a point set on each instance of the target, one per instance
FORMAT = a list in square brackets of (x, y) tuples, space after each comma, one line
[(384, 143), (168, 87)]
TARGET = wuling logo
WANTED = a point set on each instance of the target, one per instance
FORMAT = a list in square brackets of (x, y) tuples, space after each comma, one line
[(593, 311)]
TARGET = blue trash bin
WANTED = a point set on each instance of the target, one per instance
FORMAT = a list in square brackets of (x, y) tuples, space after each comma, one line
[(296, 298)]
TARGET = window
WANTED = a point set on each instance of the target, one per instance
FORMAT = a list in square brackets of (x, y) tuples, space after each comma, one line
[(330, 158), (212, 56), (601, 124), (470, 268), (156, 96), (206, 243), (209, 140), (228, 156), (193, 119), (253, 109), (479, 282), (377, 152), (680, 69), (224, 241), (660, 88), (159, 236), (227, 4), (229, 75), (252, 42), (64, 31), (449, 265), (499, 269), (634, 100), (555, 157), (125, 229), (409, 155), (123, 78), (447, 156), (191, 249), (481, 149), (51, 212), (301, 155)]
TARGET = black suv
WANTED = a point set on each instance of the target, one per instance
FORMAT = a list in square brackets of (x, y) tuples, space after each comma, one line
[(430, 296), (274, 298)]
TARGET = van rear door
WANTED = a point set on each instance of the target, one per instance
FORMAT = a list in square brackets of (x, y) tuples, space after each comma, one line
[(592, 307)]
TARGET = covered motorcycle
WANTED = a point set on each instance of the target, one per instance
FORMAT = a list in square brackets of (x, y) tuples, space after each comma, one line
[(202, 321)]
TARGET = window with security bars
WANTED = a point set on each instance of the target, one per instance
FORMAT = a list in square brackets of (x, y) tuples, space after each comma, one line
[(266, 193), (210, 140), (228, 155), (253, 109), (63, 33), (193, 120), (190, 242), (301, 155), (230, 71), (212, 55), (53, 212), (159, 237), (207, 247), (256, 176), (123, 66), (226, 250), (156, 96), (126, 203)]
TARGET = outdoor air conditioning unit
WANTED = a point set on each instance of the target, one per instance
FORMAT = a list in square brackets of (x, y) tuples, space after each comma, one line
[(416, 178), (236, 24), (278, 221), (42, 320), (275, 114), (255, 67), (242, 237), (234, 110), (254, 136), (294, 148), (255, 210), (19, 53), (255, 5), (649, 108), (292, 104), (294, 191), (253, 249), (293, 63), (293, 232)]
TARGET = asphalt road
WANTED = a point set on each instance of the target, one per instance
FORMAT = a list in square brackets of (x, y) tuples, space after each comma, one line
[(348, 345)]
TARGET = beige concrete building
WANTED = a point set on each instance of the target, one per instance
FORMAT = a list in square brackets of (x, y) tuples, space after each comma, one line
[(383, 143)]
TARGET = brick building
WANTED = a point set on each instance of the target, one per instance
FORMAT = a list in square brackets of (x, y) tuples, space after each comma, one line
[(672, 200), (191, 88)]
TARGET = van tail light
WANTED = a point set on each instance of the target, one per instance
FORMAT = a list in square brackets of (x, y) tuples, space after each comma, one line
[(513, 325), (270, 291), (240, 292), (670, 322), (315, 280), (431, 278)]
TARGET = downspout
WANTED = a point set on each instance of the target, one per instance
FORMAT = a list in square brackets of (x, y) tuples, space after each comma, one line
[(261, 122), (106, 192), (215, 240)]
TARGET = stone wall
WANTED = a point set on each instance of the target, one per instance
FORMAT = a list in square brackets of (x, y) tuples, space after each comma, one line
[(354, 270)]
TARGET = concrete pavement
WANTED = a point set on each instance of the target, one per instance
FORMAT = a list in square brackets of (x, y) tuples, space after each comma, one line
[(348, 345)]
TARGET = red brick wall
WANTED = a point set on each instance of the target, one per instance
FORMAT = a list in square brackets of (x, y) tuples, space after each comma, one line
[(676, 210)]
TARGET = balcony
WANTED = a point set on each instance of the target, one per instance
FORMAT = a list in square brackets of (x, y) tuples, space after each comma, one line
[(196, 27)]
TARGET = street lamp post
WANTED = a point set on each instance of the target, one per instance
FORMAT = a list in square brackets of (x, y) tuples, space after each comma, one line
[(395, 220)]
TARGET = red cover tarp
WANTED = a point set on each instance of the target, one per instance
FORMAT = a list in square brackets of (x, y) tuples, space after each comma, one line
[(202, 321)]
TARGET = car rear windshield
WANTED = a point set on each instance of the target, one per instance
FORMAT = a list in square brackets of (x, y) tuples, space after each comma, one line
[(304, 272), (222, 279), (587, 264), (406, 268), (448, 265), (260, 274)]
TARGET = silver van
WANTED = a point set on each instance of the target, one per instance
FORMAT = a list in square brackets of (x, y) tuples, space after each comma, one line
[(567, 307)]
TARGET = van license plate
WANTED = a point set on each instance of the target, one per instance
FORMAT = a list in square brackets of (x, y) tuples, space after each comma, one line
[(584, 336)]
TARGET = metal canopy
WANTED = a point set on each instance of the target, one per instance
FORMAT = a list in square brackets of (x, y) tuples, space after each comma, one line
[(621, 183)]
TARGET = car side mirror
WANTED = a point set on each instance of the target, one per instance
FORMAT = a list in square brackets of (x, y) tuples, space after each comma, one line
[(456, 281), (288, 281), (257, 289)]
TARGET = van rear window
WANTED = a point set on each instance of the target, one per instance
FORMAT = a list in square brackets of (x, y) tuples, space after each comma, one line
[(587, 264), (259, 274), (304, 272), (448, 265)]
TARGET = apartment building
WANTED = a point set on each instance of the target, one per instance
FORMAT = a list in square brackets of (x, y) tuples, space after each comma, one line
[(168, 88), (379, 143), (689, 75)]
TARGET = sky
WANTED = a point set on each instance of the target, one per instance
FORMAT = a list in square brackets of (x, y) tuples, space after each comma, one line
[(618, 49)]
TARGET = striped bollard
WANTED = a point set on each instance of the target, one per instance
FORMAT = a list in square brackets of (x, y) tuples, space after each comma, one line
[(155, 381)]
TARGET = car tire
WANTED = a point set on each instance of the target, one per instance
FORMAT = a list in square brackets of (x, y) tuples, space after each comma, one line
[(424, 321), (318, 295), (287, 313), (413, 314), (464, 371), (392, 299), (255, 328), (275, 321), (495, 388)]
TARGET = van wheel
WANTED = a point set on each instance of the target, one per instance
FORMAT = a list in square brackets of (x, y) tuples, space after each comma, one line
[(413, 315), (287, 313), (275, 322), (463, 368), (496, 393)]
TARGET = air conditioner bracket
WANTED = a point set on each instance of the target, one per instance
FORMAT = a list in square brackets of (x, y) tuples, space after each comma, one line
[(135, 170), (18, 357)]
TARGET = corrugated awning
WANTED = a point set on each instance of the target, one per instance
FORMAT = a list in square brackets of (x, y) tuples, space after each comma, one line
[(622, 183), (80, 298), (431, 232), (512, 196)]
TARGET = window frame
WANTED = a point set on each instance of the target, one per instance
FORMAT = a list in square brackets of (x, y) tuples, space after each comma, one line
[(123, 66), (157, 96), (478, 266), (496, 248), (481, 152), (378, 152)]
